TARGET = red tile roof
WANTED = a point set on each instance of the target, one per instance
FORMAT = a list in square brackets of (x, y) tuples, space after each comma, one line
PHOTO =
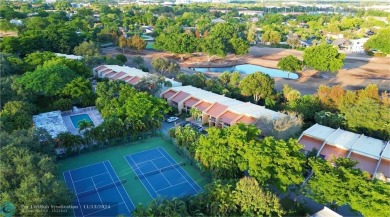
[(190, 102), (134, 80), (216, 109), (109, 74), (100, 68), (179, 97), (118, 75), (203, 106), (106, 71), (126, 78), (228, 117), (168, 94), (246, 120)]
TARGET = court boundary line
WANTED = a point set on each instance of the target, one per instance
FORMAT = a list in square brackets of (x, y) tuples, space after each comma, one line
[(159, 170), (97, 191), (173, 185), (63, 174), (149, 160), (104, 163), (82, 213), (144, 151), (137, 174), (179, 171), (90, 177), (84, 166)]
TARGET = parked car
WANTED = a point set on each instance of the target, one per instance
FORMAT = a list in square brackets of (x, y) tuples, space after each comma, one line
[(185, 123), (172, 119)]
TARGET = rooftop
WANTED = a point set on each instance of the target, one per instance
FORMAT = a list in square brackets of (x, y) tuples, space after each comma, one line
[(52, 122)]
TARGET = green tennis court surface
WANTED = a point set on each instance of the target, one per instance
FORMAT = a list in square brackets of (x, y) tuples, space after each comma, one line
[(135, 188)]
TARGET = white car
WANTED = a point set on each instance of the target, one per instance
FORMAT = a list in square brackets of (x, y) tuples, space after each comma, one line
[(172, 119)]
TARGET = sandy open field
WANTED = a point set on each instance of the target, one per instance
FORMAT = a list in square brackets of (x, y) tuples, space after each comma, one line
[(358, 70)]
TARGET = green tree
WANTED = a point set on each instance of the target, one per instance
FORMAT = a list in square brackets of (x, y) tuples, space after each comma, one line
[(16, 115), (271, 36), (165, 66), (337, 183), (84, 124), (257, 85), (290, 64), (138, 60), (72, 143), (48, 81), (240, 46), (186, 137), (267, 156), (252, 34), (122, 42), (379, 41), (307, 105), (88, 49), (323, 57), (28, 177), (213, 47), (334, 120), (253, 201), (122, 58), (138, 43)]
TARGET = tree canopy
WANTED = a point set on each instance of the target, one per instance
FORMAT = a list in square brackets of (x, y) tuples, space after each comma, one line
[(323, 57), (258, 85)]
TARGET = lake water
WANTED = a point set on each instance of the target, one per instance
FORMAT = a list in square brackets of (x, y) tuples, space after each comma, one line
[(249, 69)]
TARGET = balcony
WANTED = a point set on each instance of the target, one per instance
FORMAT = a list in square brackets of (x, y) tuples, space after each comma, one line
[(212, 119)]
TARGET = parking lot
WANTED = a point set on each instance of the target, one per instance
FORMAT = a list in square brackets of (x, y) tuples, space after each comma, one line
[(180, 122)]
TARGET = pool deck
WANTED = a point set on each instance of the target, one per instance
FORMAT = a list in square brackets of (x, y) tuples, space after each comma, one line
[(92, 112)]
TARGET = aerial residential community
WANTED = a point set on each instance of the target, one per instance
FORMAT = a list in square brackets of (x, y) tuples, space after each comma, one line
[(195, 108)]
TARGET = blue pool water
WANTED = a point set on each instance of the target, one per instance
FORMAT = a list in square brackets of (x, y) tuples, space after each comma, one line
[(77, 118), (249, 69)]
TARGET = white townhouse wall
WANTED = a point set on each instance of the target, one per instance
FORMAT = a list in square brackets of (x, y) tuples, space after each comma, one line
[(217, 110), (373, 155), (127, 74)]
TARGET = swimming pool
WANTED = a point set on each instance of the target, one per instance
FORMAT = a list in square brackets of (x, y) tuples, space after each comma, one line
[(249, 69), (77, 118)]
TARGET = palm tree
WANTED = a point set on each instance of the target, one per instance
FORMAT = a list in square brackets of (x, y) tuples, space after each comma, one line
[(195, 114), (84, 124)]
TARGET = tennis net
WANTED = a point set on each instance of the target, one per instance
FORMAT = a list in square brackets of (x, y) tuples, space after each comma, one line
[(95, 190), (141, 176)]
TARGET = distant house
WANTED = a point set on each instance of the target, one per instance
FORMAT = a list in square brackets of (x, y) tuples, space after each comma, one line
[(127, 74), (147, 29), (342, 44), (251, 13), (373, 155), (69, 56), (16, 22), (182, 2), (167, 4), (326, 212), (217, 20), (334, 36)]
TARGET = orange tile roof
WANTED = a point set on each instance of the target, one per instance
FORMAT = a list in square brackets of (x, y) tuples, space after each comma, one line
[(203, 106), (109, 74), (228, 117), (120, 74), (134, 80), (216, 109), (190, 102), (179, 97), (168, 94), (246, 120)]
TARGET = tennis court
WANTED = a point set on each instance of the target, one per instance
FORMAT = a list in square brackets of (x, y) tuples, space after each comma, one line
[(161, 175), (98, 190)]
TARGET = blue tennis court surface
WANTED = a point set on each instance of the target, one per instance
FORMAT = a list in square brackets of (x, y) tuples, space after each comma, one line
[(99, 191), (161, 174)]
